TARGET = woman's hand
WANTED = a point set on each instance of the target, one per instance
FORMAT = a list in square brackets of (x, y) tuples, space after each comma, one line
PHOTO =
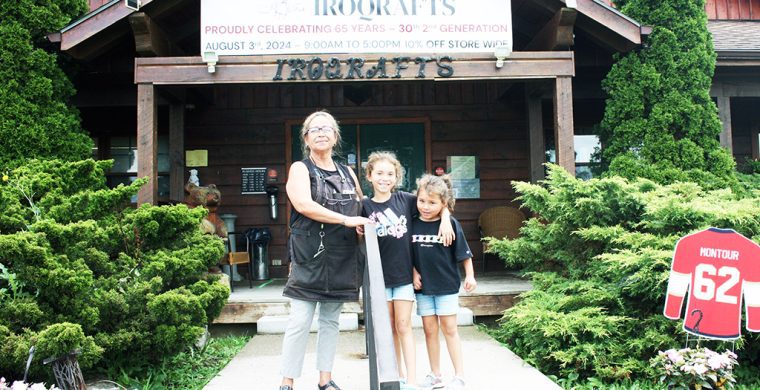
[(355, 221)]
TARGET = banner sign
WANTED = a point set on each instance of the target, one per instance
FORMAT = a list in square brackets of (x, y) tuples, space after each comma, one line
[(716, 267), (273, 27)]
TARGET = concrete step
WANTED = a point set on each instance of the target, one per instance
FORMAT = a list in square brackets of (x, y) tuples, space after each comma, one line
[(277, 324), (464, 318)]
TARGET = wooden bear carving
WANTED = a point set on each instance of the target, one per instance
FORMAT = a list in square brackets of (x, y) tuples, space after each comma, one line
[(208, 197)]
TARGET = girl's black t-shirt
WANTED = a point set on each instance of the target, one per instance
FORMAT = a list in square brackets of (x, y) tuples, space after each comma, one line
[(438, 265), (393, 218)]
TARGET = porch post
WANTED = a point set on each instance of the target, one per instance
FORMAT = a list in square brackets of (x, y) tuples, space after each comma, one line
[(147, 142), (563, 123), (535, 137), (724, 112), (176, 151)]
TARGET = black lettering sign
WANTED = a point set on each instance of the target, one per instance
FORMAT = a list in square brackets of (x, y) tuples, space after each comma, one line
[(355, 67), (401, 63), (316, 68)]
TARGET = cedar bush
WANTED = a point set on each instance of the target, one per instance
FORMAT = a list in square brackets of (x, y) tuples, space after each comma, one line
[(599, 253), (659, 121), (81, 268), (36, 119)]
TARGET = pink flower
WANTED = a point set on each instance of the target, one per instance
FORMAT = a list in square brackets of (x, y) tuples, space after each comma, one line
[(700, 369), (674, 356)]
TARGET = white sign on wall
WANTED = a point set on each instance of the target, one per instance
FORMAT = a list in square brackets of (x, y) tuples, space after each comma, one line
[(245, 27)]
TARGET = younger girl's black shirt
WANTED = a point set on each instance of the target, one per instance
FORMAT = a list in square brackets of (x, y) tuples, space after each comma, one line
[(438, 265)]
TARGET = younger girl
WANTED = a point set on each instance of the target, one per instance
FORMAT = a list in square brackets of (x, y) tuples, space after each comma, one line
[(436, 276), (392, 212)]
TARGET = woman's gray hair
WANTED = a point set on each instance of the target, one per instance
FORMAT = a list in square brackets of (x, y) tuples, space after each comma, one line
[(305, 129)]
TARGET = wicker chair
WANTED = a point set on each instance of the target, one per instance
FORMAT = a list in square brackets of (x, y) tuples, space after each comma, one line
[(499, 222)]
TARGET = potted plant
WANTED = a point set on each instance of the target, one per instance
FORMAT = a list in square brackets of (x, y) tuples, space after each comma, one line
[(696, 368)]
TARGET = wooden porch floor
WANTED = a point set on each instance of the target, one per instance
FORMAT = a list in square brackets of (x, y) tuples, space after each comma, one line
[(496, 292)]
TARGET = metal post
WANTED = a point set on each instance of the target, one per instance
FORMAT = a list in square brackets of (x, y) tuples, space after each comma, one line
[(382, 355)]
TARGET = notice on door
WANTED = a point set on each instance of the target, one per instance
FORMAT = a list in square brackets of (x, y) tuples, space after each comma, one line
[(244, 27)]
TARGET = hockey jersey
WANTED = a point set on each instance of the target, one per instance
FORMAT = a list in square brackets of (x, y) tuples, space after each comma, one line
[(716, 267)]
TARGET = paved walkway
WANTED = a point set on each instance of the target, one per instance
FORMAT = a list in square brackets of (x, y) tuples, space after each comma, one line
[(488, 365)]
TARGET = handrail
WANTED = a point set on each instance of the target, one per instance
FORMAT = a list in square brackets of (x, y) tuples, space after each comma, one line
[(382, 357)]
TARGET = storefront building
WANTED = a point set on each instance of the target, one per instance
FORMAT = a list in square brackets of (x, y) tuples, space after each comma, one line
[(150, 98)]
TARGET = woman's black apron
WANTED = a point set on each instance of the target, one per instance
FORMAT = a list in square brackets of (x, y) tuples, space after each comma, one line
[(326, 264)]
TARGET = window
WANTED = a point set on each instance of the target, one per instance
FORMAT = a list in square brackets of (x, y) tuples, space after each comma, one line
[(406, 139), (585, 146), (123, 151), (585, 161)]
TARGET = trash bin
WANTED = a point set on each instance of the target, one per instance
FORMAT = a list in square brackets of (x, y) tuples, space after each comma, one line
[(258, 244)]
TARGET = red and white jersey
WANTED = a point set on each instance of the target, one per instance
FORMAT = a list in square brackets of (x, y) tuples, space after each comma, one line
[(716, 267)]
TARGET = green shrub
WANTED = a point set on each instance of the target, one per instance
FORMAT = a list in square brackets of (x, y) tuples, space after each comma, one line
[(599, 253), (659, 120), (37, 118), (81, 268)]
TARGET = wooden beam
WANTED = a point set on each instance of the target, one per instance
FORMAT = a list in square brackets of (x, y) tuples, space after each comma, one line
[(557, 34), (94, 22), (724, 112), (262, 69), (609, 25), (150, 39), (107, 40), (177, 151), (535, 137), (563, 124), (147, 142), (742, 86), (604, 24)]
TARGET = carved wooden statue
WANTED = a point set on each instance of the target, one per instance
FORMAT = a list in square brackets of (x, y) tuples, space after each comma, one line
[(208, 197)]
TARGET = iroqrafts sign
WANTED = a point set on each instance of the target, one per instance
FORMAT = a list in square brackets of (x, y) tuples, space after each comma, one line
[(244, 27), (333, 68)]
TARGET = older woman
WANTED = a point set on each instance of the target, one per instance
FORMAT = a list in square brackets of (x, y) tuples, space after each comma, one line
[(326, 266)]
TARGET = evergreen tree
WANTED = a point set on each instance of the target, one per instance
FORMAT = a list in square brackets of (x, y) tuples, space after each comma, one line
[(35, 117), (659, 122)]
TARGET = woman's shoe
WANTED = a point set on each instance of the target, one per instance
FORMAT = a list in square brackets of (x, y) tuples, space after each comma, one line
[(327, 386)]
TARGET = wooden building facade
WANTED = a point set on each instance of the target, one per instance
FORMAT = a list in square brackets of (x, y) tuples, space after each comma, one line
[(146, 96)]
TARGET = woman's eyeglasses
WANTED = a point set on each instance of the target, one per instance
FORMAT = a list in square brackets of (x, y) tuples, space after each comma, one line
[(323, 129)]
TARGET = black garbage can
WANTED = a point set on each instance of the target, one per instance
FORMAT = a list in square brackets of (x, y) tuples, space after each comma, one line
[(258, 245)]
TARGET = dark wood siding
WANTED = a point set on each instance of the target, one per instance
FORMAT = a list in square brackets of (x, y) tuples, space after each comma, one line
[(245, 126)]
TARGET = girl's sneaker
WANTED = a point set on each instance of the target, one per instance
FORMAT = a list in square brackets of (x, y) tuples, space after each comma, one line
[(431, 381), (456, 384)]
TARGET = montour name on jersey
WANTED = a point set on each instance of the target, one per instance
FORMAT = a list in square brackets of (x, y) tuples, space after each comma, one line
[(717, 253)]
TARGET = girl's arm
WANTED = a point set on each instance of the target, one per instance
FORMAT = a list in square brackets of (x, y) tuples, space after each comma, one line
[(469, 276), (445, 230), (299, 193)]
